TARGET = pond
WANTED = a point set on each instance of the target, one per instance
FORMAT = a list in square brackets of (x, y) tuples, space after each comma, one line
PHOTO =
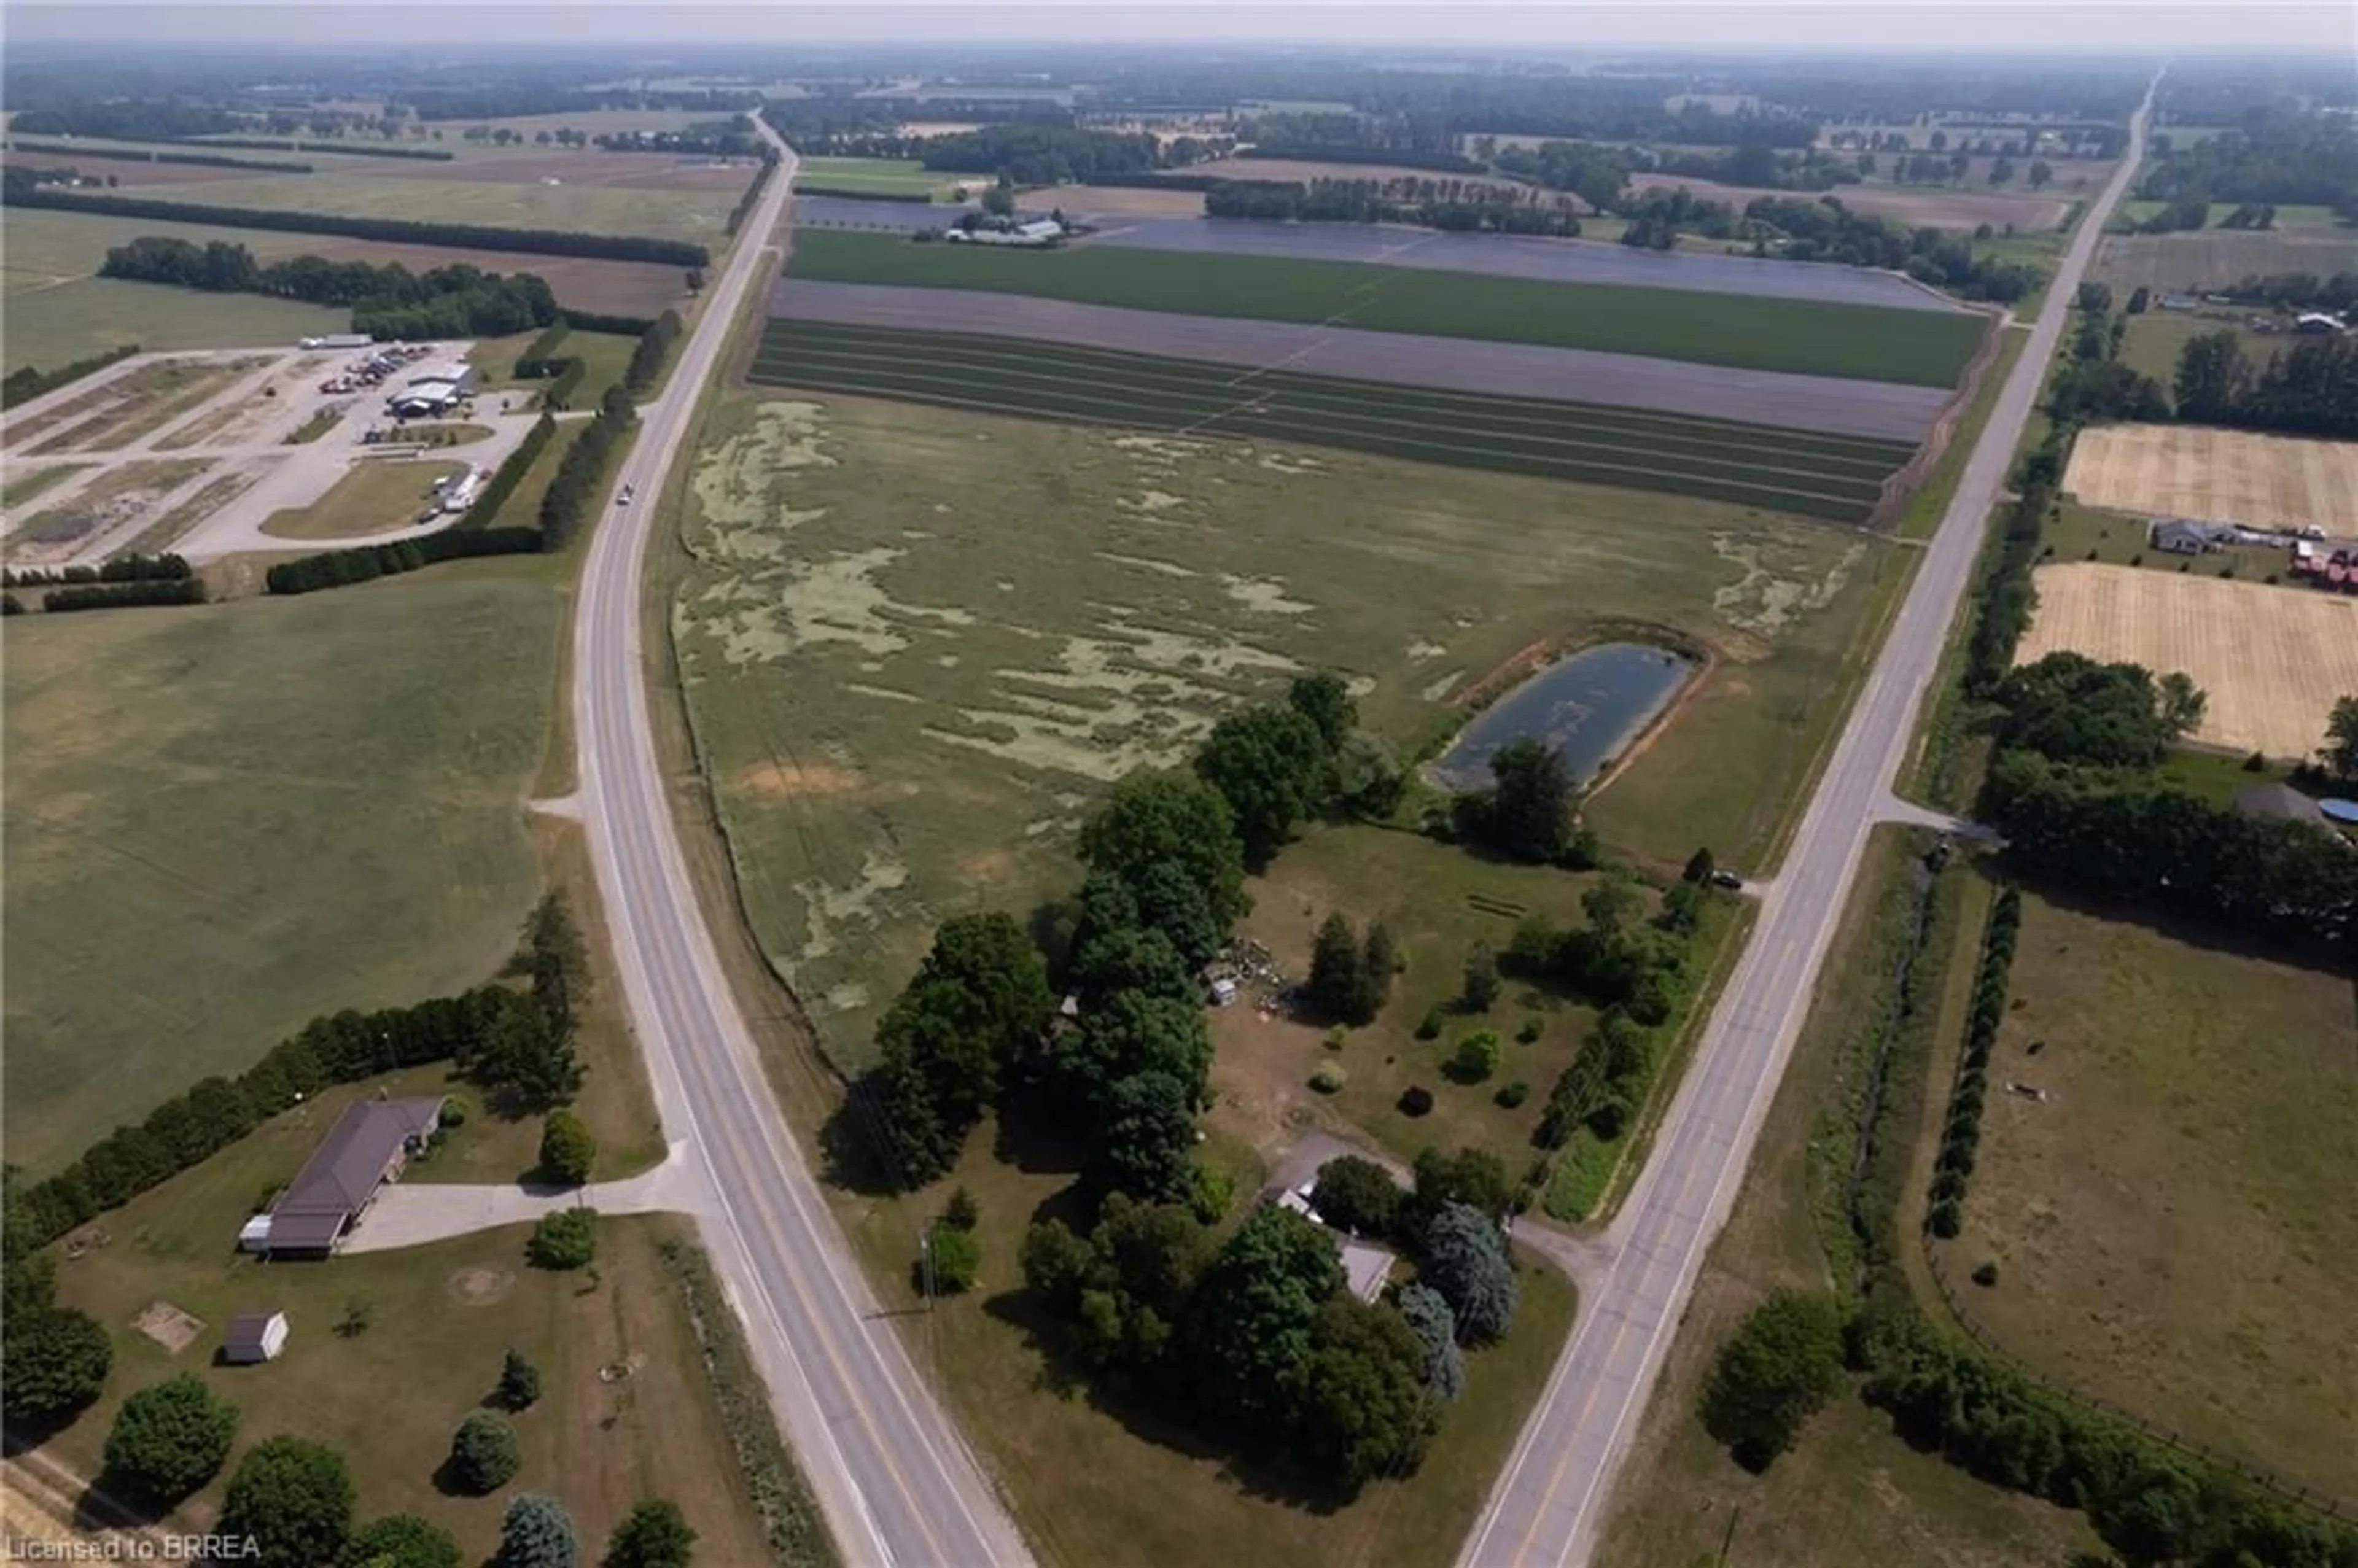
[(1587, 709)]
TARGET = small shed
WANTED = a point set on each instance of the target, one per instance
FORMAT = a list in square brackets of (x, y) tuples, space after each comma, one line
[(253, 1337), (254, 1235)]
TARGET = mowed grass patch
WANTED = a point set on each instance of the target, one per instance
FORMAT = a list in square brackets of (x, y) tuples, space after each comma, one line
[(917, 644), (1103, 1482), (440, 1319), (297, 805), (1838, 478), (372, 498), (2214, 258), (2171, 1226), (1851, 1493), (878, 176), (2157, 337), (1921, 348), (57, 325)]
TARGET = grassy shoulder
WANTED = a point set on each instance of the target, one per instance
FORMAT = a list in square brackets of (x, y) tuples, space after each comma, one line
[(620, 1418), (1872, 343), (1851, 1494), (2170, 1225)]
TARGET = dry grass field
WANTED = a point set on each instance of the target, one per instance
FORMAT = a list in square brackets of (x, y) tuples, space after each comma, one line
[(2221, 476), (2170, 1225), (2273, 659)]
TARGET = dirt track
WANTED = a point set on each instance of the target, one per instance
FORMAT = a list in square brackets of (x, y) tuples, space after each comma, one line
[(2273, 659), (2219, 476), (1765, 397)]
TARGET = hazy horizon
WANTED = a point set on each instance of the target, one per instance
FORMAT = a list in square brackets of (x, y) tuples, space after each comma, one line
[(1753, 27)]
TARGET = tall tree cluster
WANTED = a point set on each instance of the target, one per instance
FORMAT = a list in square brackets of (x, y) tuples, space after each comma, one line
[(388, 301), (2309, 389)]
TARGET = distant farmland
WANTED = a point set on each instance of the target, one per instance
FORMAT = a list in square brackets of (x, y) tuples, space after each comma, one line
[(1831, 477), (1867, 342)]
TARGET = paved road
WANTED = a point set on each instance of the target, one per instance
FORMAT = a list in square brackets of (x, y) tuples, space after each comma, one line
[(897, 1484), (1549, 1505)]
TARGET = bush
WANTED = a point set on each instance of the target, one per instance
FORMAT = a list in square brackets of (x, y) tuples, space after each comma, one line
[(169, 1440), (1210, 1193), (483, 1455), (1947, 1218), (566, 1239), (1985, 1274), (293, 1499), (1782, 1364), (1329, 1079), (1429, 1027), (519, 1385), (1481, 983), (958, 1259), (961, 1213), (1513, 1095), (454, 1112), (1530, 1032), (53, 1361), (401, 1541), (1357, 1194), (1415, 1100), (654, 1535), (1476, 1058), (567, 1150)]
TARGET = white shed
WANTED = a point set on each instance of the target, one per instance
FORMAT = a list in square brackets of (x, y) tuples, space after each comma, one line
[(253, 1337)]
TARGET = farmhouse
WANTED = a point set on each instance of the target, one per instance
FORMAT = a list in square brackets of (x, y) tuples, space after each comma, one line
[(1367, 1268), (368, 1147), (2319, 321), (2180, 537), (253, 1337)]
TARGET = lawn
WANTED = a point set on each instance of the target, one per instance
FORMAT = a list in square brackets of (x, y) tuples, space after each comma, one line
[(917, 644), (2171, 1225), (1851, 1494), (1870, 342), (2085, 533), (655, 213), (440, 1319), (372, 498), (2155, 339), (606, 354), (1839, 478), (298, 805)]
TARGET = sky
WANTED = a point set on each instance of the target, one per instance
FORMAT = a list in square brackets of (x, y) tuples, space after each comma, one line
[(2140, 27)]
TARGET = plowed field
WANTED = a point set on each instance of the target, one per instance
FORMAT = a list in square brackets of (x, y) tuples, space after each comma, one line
[(2220, 476)]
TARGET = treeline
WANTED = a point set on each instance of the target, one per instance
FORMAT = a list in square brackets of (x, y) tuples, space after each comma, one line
[(1961, 1134), (1346, 152), (400, 231), (654, 346), (510, 473), (166, 568), (2309, 389), (752, 199), (388, 302), (722, 139), (2280, 157), (26, 383), (514, 1042), (125, 120), (521, 101), (1053, 155), (2293, 290), (1475, 209), (346, 148), (832, 124), (572, 493), (127, 155), (124, 596), (2094, 383), (341, 569), (1827, 231)]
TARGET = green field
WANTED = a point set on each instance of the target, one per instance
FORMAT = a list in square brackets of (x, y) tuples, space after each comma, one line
[(874, 175), (211, 834), (917, 644), (1840, 478), (2171, 1225), (674, 214), (2214, 258), (2155, 339), (2289, 217), (1923, 348), (440, 1317), (606, 355), (52, 327)]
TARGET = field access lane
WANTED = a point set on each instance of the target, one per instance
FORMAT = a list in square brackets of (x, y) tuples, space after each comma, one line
[(897, 1486), (1549, 1506), (1816, 403)]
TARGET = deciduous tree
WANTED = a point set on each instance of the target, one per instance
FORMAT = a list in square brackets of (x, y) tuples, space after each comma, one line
[(53, 1362), (1252, 1327), (169, 1440), (1364, 1411), (1326, 702), (1480, 991), (292, 1500), (567, 1150), (1782, 1364), (653, 1534), (1271, 766), (1129, 1033), (1145, 1138), (1357, 1194), (400, 1540), (1530, 813), (1150, 818)]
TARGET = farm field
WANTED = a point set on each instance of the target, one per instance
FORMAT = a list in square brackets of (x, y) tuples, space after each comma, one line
[(659, 213), (2273, 660), (880, 176), (1926, 206), (440, 1317), (1838, 478), (2170, 1225), (1914, 347), (2155, 339), (186, 774), (2131, 214), (917, 642), (2222, 476), (1697, 268), (1852, 1493), (2213, 258), (373, 497)]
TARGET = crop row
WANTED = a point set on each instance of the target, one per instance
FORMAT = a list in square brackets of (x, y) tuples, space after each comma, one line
[(1722, 463), (1920, 347)]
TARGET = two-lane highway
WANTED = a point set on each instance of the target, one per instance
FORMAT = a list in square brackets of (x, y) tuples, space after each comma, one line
[(897, 1484), (1549, 1505)]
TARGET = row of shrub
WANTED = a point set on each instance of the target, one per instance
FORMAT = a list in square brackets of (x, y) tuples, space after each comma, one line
[(127, 155), (124, 595), (833, 193), (654, 346), (510, 474), (752, 196), (1962, 1135), (540, 356), (398, 231), (347, 150), (25, 382), (122, 568), (580, 476), (341, 568)]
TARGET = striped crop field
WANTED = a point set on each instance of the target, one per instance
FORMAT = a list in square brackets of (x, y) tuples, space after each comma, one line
[(1834, 478), (1867, 342)]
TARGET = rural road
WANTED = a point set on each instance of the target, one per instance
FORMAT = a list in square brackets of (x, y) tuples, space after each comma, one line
[(896, 1483), (1549, 1505)]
